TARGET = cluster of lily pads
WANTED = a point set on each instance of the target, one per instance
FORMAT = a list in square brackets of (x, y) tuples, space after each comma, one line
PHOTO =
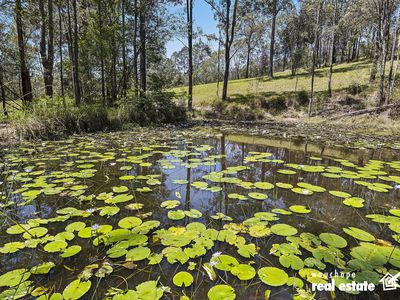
[(70, 172)]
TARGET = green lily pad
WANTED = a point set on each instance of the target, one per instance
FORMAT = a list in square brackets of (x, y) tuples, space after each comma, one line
[(71, 251), (258, 196), (55, 246), (264, 185), (176, 214), (340, 194), (43, 268), (333, 240), (138, 253), (170, 204), (300, 209), (283, 229), (76, 289), (129, 222), (273, 276), (355, 202), (14, 277), (224, 262), (221, 292), (243, 272), (183, 279), (359, 234)]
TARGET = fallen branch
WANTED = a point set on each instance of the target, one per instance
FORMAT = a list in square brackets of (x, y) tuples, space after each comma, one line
[(366, 111)]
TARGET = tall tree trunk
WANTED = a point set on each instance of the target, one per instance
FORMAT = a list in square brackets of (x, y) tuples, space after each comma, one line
[(77, 88), (316, 34), (61, 56), (3, 93), (229, 36), (332, 50), (248, 57), (383, 39), (375, 58), (142, 36), (189, 14), (272, 43), (391, 75), (47, 51), (26, 84), (124, 68), (135, 51), (101, 52)]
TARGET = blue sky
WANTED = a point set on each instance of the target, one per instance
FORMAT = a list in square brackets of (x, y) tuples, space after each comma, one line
[(203, 17)]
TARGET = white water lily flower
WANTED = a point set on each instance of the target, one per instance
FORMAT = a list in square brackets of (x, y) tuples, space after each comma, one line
[(95, 227), (216, 254), (90, 210), (213, 263), (397, 187)]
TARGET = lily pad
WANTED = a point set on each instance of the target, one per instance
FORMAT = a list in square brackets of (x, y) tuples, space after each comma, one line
[(221, 292), (273, 276), (183, 279), (283, 229)]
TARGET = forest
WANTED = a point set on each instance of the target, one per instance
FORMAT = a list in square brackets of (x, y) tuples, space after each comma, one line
[(199, 149)]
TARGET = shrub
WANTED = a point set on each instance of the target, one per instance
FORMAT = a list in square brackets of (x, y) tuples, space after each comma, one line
[(302, 98), (154, 108)]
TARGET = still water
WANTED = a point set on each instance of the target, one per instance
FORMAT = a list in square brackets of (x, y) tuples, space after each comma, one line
[(228, 193)]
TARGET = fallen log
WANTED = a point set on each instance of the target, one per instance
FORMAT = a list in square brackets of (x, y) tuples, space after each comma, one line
[(366, 111)]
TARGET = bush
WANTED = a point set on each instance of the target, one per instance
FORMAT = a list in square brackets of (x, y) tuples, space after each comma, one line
[(275, 103), (302, 98), (49, 119), (154, 108)]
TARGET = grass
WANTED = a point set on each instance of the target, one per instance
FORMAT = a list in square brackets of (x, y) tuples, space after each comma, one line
[(344, 76)]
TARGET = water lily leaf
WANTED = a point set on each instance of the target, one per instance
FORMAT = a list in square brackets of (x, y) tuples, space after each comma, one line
[(138, 253), (176, 214), (283, 185), (264, 185), (76, 289), (247, 251), (193, 213), (300, 209), (55, 246), (259, 230), (224, 262), (109, 211), (121, 198), (183, 279), (295, 282), (302, 191), (273, 276), (311, 187), (149, 291), (291, 261), (170, 204), (281, 211), (120, 189), (14, 277), (283, 229), (286, 172), (75, 226), (258, 196), (333, 240), (18, 228), (35, 232), (221, 292), (340, 194), (71, 251), (129, 222), (243, 272), (354, 202), (359, 234), (313, 276), (43, 268)]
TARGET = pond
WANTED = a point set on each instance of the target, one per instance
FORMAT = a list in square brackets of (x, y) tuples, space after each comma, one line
[(196, 214)]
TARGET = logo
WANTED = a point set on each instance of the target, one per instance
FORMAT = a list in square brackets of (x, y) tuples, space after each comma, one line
[(389, 282)]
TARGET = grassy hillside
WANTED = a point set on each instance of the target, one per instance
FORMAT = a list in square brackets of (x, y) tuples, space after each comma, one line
[(344, 76)]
